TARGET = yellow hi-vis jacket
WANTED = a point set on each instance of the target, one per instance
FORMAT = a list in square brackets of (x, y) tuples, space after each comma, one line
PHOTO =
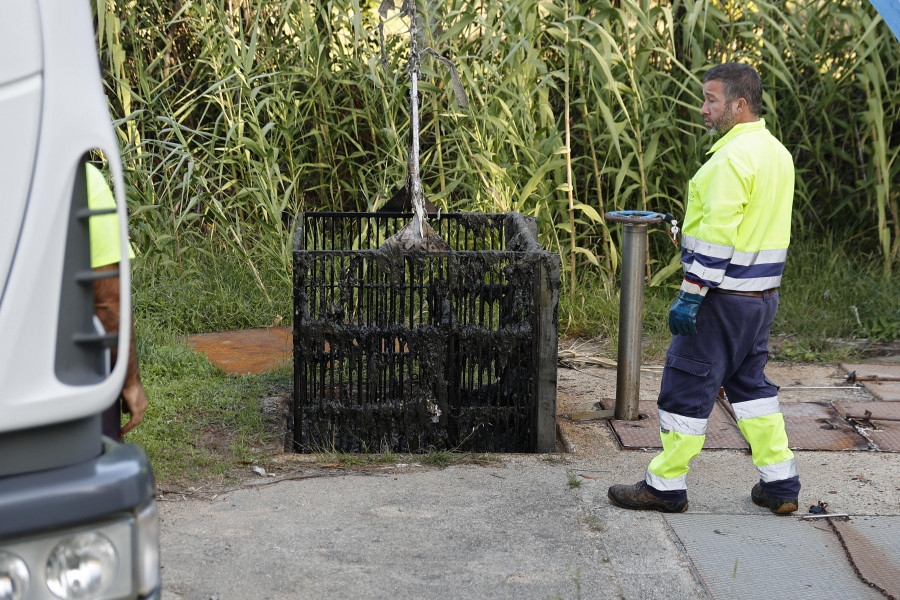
[(104, 229), (738, 221)]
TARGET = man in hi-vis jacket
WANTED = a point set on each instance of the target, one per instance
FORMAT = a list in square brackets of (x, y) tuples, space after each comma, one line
[(734, 245), (106, 256)]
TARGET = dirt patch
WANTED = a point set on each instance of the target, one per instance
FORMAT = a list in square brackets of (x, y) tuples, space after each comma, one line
[(245, 351)]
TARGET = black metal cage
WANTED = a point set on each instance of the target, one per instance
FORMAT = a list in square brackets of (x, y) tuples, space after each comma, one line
[(409, 349)]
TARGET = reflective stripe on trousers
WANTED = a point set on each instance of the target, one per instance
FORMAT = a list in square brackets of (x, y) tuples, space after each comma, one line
[(682, 439), (762, 424)]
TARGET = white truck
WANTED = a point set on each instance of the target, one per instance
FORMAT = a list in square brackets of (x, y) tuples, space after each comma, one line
[(78, 516)]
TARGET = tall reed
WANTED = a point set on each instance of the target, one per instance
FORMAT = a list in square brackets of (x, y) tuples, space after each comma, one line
[(236, 115)]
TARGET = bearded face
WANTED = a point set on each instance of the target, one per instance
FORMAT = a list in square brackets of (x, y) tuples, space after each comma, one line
[(721, 124), (717, 112)]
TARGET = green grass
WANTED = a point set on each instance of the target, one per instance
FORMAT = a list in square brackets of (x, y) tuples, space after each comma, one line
[(358, 459), (595, 523), (833, 293), (201, 424), (211, 289), (593, 312)]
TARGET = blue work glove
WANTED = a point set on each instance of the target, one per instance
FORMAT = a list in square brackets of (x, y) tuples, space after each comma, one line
[(683, 314)]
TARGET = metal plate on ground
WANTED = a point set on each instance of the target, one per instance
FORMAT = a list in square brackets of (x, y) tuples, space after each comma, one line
[(882, 427), (882, 380), (721, 433), (874, 546), (246, 350), (746, 557), (815, 426)]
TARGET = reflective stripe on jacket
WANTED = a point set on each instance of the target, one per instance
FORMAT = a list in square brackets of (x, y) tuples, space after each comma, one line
[(738, 221)]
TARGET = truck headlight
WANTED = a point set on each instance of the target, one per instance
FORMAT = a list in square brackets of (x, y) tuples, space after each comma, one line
[(13, 577), (81, 566)]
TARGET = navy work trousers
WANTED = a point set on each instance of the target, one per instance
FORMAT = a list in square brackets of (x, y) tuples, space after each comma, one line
[(730, 350)]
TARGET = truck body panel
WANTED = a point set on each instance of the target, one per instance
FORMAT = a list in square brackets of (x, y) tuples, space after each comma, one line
[(39, 309), (78, 512), (20, 102)]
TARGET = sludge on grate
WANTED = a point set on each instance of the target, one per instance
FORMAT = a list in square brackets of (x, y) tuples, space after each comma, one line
[(411, 350)]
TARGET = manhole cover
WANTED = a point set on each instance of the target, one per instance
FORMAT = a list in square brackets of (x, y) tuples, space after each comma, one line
[(748, 556), (880, 421), (815, 426), (882, 381), (874, 545), (721, 433)]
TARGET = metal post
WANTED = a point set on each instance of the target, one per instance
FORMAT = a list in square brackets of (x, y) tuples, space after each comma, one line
[(631, 316), (631, 313)]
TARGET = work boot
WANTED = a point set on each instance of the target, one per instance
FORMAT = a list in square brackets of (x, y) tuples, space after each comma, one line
[(781, 506), (638, 497)]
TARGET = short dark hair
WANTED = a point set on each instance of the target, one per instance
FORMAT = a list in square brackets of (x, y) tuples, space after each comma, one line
[(738, 81)]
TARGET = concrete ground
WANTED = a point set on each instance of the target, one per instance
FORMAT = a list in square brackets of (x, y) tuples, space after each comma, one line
[(540, 526)]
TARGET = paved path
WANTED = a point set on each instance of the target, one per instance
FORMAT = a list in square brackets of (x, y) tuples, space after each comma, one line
[(536, 526)]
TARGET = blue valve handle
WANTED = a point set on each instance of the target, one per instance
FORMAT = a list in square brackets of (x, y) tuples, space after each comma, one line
[(636, 213), (638, 216)]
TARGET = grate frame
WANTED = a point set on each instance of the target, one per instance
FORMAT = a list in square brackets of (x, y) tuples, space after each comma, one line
[(411, 350)]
